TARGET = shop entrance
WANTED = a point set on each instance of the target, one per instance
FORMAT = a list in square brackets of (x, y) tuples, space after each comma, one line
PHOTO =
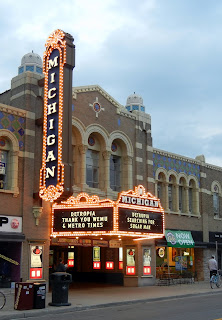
[(95, 265), (10, 256)]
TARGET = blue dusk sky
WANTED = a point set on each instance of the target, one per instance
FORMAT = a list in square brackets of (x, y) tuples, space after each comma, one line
[(167, 51)]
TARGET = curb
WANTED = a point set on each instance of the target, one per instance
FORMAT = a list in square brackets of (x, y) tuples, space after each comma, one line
[(43, 312)]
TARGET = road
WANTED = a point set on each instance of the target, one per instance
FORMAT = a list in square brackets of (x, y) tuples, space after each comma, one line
[(193, 308)]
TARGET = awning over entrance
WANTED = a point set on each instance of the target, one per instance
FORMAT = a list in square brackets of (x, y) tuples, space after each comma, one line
[(179, 239)]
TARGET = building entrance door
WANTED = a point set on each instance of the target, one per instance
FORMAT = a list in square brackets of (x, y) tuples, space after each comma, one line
[(89, 264)]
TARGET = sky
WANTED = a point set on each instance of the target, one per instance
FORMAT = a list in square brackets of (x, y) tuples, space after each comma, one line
[(167, 51)]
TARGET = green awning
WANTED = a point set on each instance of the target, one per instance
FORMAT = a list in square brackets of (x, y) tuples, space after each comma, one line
[(179, 239)]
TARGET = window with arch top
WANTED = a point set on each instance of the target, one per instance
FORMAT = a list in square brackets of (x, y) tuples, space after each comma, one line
[(9, 150), (216, 201)]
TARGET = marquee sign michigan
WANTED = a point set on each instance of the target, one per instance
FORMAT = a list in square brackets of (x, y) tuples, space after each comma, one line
[(52, 172)]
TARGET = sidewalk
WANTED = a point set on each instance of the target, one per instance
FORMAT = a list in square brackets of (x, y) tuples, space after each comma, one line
[(91, 297)]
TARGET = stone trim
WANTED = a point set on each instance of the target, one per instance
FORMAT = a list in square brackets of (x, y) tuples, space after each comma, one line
[(150, 162), (20, 94), (30, 115), (13, 110), (139, 145), (188, 215), (138, 159), (203, 175), (138, 177), (206, 191), (151, 180), (26, 154), (30, 132), (149, 148)]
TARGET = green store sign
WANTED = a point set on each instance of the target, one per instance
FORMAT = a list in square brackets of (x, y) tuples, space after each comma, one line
[(179, 239)]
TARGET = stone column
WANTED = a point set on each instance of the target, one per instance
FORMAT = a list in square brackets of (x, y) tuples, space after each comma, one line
[(176, 198), (14, 172), (165, 184), (82, 149), (127, 181), (106, 155), (186, 202)]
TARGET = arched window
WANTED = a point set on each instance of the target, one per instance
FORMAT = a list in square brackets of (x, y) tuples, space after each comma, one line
[(161, 188), (182, 195), (216, 201), (92, 162), (172, 193), (9, 150), (3, 167), (193, 202)]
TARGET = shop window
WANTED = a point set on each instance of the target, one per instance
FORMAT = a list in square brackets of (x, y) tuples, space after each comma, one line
[(92, 168), (115, 172), (216, 206), (130, 261)]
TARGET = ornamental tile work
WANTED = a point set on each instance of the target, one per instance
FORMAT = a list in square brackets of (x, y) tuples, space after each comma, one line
[(177, 165), (14, 124)]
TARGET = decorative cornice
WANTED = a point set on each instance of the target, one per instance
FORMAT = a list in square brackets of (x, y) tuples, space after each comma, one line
[(190, 160), (175, 156), (12, 110)]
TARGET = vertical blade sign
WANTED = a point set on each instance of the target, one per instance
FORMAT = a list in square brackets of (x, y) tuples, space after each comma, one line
[(52, 184)]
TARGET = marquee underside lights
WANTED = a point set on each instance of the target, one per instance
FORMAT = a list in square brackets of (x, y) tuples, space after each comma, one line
[(90, 216), (52, 173)]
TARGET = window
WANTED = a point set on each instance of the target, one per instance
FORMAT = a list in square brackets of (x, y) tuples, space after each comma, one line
[(9, 149), (21, 70), (216, 202), (161, 185), (160, 190), (171, 193), (29, 68), (182, 195), (92, 168), (170, 196), (3, 169), (39, 70), (115, 172), (191, 195)]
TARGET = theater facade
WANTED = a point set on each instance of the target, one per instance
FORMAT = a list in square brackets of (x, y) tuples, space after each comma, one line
[(80, 179)]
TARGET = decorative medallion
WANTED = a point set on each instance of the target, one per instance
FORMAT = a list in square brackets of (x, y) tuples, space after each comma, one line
[(91, 141), (96, 107), (2, 142), (216, 189), (114, 147)]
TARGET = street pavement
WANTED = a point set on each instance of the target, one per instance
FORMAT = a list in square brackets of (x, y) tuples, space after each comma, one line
[(84, 297)]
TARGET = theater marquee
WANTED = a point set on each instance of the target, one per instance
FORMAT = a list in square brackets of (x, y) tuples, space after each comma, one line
[(135, 213)]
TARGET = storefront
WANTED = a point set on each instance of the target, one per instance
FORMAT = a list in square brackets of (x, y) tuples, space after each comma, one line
[(11, 238), (215, 244), (177, 254)]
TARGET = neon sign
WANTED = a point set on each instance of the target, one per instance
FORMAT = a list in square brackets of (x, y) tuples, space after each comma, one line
[(52, 173), (85, 215)]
